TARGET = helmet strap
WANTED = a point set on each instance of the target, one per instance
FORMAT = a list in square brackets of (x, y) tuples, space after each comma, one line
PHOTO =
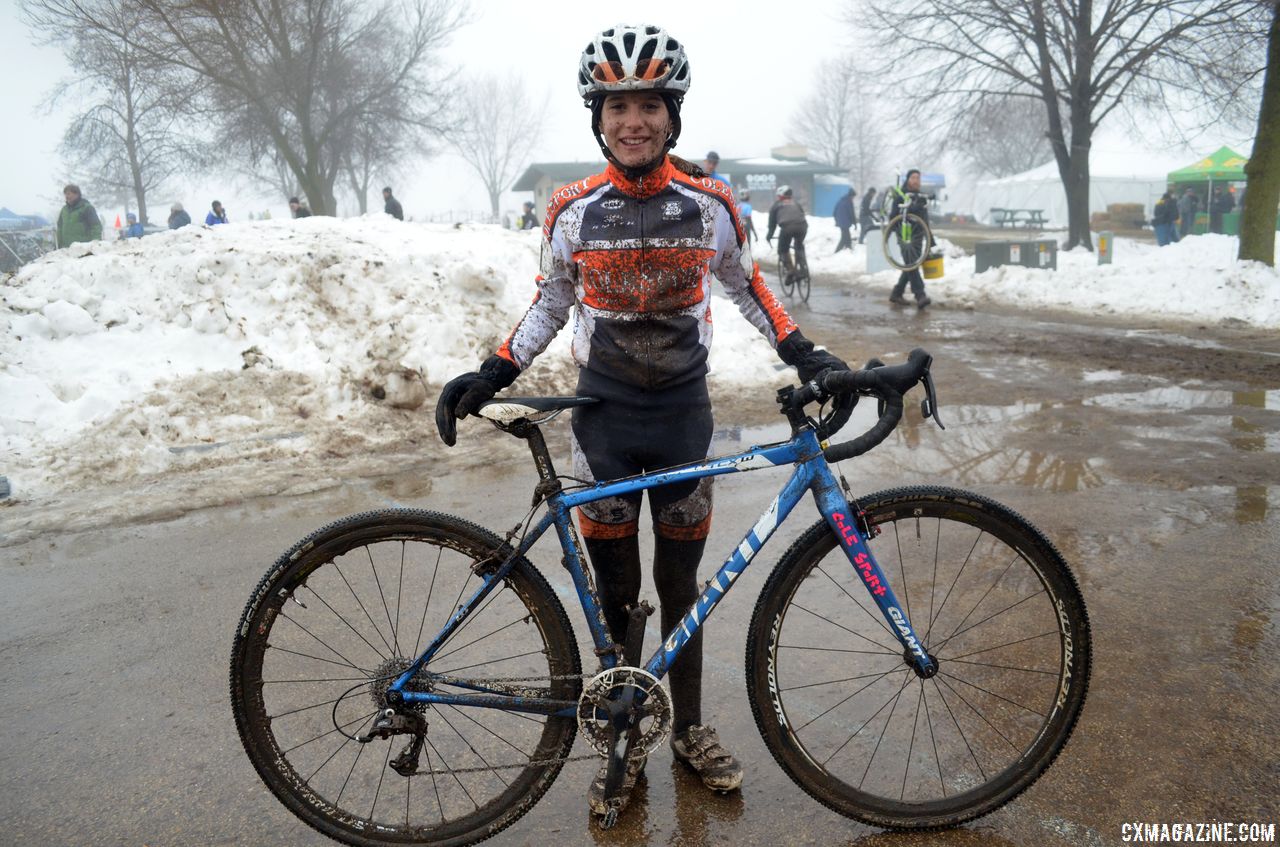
[(673, 101)]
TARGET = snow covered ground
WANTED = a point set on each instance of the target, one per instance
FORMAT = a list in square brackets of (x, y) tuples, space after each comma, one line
[(201, 350)]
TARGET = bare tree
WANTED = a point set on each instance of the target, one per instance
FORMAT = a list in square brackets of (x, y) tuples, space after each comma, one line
[(837, 123), (295, 77), (1002, 136), (372, 151), (498, 128), (128, 137), (1079, 62), (1257, 220)]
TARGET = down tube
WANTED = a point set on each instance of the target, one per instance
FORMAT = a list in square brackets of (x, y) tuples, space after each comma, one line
[(844, 523), (719, 585)]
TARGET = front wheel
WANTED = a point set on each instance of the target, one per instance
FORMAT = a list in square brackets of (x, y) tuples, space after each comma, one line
[(842, 709), (341, 615), (802, 283), (786, 278), (907, 241)]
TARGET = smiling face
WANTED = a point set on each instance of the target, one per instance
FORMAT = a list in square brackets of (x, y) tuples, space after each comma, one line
[(635, 125)]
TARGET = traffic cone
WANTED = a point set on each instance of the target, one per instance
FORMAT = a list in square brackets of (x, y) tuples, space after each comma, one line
[(117, 220)]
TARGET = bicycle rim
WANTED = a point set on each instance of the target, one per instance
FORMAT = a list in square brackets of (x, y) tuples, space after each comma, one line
[(333, 623), (803, 286), (910, 235), (855, 727)]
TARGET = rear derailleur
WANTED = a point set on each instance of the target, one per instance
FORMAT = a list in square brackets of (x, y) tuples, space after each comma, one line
[(390, 723)]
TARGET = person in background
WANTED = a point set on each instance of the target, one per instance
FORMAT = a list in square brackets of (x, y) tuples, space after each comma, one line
[(844, 219), (1164, 219), (1221, 203), (527, 219), (866, 214), (178, 216), (907, 198), (1188, 205), (744, 213), (217, 215), (391, 205), (132, 229), (788, 218), (710, 164), (299, 208), (641, 340), (77, 220)]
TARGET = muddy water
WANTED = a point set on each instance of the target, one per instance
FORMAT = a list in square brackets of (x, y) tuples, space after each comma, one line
[(1150, 455)]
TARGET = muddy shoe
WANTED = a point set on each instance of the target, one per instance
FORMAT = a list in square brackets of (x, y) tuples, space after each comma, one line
[(699, 748), (897, 300), (595, 794), (923, 301)]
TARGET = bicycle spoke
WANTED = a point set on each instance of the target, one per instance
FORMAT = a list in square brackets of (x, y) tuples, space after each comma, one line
[(395, 646), (452, 773), (835, 681), (319, 641), (315, 594), (360, 603), (883, 729), (973, 709), (992, 616), (1004, 667), (318, 679), (834, 650), (489, 662), (377, 791), (991, 693), (831, 709), (354, 762), (879, 620), (479, 723), (1000, 646), (343, 664), (435, 571), (442, 656), (472, 748), (330, 732), (959, 729), (886, 650), (912, 745), (968, 558), (933, 738), (984, 596)]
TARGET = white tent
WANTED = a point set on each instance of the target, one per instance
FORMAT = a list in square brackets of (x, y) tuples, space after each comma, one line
[(1115, 176)]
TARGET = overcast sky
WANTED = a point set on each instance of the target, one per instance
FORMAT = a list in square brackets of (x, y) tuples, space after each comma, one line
[(752, 63)]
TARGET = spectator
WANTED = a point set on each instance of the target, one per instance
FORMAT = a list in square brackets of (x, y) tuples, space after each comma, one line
[(908, 198), (391, 205), (710, 164), (178, 216), (218, 215), (1188, 205), (1221, 204), (844, 219), (132, 229), (1164, 219), (299, 208), (744, 214), (866, 214), (78, 220), (527, 219)]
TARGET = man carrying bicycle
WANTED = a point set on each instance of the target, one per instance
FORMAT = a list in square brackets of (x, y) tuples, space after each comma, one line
[(787, 216), (639, 285), (906, 198)]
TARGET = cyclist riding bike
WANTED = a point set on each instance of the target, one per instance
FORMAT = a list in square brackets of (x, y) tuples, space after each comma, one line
[(906, 198), (632, 252), (788, 218)]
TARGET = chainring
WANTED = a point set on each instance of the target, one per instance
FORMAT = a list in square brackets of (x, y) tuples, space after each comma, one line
[(654, 709)]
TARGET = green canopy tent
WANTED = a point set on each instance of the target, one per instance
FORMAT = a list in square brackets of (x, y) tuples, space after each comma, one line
[(1221, 167)]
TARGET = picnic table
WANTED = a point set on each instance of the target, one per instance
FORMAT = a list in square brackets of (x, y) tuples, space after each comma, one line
[(1018, 217)]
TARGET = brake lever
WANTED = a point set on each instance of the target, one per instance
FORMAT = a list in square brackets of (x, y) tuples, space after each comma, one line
[(929, 405)]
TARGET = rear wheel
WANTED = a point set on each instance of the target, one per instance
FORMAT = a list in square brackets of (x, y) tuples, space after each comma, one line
[(845, 714), (338, 618), (786, 279)]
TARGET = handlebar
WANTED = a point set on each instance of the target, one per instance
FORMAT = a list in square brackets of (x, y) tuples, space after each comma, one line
[(887, 383)]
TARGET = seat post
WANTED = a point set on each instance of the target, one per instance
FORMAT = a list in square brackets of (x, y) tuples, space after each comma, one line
[(541, 455)]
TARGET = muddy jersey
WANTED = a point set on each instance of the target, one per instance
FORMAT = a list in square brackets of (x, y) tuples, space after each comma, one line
[(636, 258)]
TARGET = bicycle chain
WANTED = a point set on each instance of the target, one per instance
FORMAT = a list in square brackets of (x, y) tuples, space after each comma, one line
[(532, 763)]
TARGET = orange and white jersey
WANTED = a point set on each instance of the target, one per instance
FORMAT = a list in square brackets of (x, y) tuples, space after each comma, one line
[(636, 258)]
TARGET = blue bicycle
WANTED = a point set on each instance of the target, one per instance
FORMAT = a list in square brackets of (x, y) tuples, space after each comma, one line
[(917, 658)]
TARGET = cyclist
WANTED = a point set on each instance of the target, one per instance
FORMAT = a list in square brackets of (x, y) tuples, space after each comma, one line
[(632, 251), (744, 211), (787, 216), (906, 198)]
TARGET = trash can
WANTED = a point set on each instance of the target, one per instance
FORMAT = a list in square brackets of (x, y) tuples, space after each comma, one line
[(1106, 243)]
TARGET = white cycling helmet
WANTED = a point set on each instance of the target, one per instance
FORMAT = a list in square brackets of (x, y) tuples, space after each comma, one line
[(783, 191), (633, 58)]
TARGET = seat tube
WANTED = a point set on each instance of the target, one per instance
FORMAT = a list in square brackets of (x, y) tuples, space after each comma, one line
[(844, 523)]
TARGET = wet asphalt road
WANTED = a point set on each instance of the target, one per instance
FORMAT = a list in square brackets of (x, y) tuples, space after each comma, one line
[(1150, 455)]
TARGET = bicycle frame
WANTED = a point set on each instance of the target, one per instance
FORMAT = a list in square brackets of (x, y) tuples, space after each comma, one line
[(811, 474)]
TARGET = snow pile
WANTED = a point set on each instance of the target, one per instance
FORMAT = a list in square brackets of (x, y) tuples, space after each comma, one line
[(1197, 280), (133, 358)]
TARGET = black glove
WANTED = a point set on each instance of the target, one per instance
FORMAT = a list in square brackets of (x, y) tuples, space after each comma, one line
[(463, 395), (797, 351)]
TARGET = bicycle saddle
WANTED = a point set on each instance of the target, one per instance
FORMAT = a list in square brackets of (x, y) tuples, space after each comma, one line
[(510, 409)]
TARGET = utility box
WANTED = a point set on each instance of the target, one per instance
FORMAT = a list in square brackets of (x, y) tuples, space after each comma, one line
[(1042, 253), (876, 259), (990, 254), (1106, 245)]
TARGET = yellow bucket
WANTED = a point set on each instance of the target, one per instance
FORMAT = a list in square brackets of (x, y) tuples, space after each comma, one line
[(933, 268)]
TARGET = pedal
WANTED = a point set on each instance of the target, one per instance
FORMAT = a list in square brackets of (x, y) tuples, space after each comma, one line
[(610, 816)]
